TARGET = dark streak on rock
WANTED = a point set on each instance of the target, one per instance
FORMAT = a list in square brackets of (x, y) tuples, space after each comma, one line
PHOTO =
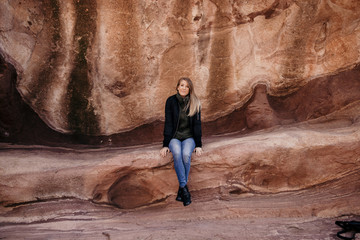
[(107, 235), (10, 102), (274, 10), (47, 221), (36, 201), (317, 98), (81, 116)]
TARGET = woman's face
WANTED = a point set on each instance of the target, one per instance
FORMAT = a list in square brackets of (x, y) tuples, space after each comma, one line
[(183, 88)]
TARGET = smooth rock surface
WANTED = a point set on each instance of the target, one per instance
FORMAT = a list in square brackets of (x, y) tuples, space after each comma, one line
[(279, 159), (106, 67)]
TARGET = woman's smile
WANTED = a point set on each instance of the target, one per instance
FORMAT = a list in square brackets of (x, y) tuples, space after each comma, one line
[(183, 88)]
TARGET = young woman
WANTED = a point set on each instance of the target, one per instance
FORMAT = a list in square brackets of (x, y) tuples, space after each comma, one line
[(182, 133)]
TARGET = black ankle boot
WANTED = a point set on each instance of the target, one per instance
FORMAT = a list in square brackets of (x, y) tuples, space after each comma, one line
[(186, 197), (178, 197)]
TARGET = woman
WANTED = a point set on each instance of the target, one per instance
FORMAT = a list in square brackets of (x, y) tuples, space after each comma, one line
[(182, 133)]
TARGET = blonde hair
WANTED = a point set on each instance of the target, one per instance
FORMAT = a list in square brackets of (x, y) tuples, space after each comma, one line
[(194, 104)]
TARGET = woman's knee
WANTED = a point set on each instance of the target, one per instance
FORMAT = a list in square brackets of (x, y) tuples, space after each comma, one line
[(186, 157), (175, 144), (177, 156)]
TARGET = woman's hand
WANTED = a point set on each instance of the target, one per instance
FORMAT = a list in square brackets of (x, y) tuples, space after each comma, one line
[(164, 151), (198, 151)]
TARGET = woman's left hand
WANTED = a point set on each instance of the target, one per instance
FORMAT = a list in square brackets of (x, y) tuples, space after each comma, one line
[(198, 151)]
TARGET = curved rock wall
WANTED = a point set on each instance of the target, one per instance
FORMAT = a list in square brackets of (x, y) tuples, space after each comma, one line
[(313, 155), (99, 72), (106, 67)]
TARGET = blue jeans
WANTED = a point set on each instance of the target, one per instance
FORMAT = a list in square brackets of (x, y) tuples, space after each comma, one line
[(181, 151)]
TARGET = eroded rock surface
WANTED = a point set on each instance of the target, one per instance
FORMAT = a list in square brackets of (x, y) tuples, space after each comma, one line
[(277, 160), (102, 68), (283, 183), (280, 85), (69, 218)]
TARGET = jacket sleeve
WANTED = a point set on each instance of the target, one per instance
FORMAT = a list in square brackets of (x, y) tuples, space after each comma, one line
[(168, 126), (197, 129)]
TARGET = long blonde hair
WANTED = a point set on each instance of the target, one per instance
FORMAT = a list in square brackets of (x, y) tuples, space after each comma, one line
[(194, 104)]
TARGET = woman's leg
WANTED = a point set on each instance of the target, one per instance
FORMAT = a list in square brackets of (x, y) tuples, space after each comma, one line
[(188, 146), (175, 147)]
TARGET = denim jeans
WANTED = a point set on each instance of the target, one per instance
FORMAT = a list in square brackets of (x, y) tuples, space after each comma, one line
[(181, 151)]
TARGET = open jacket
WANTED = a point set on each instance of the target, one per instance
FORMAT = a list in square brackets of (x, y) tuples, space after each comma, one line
[(172, 113)]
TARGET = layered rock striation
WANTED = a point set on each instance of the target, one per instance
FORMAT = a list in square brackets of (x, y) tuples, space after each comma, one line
[(280, 159), (279, 83), (99, 68)]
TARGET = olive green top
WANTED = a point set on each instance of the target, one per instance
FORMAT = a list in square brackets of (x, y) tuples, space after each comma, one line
[(183, 129)]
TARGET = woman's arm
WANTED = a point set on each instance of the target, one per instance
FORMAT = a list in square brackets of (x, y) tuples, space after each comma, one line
[(168, 126), (197, 129)]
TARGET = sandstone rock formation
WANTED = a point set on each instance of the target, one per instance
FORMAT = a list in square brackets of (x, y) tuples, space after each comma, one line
[(277, 160), (76, 219), (288, 182), (82, 92), (104, 68)]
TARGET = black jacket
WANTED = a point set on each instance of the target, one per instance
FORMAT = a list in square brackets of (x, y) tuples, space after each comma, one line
[(172, 111)]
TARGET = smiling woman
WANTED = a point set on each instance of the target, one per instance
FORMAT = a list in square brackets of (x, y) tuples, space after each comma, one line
[(183, 88), (182, 133)]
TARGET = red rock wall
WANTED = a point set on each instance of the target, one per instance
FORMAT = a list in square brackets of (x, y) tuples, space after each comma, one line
[(101, 68)]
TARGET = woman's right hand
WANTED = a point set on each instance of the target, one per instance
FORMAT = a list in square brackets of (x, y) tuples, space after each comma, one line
[(164, 151)]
